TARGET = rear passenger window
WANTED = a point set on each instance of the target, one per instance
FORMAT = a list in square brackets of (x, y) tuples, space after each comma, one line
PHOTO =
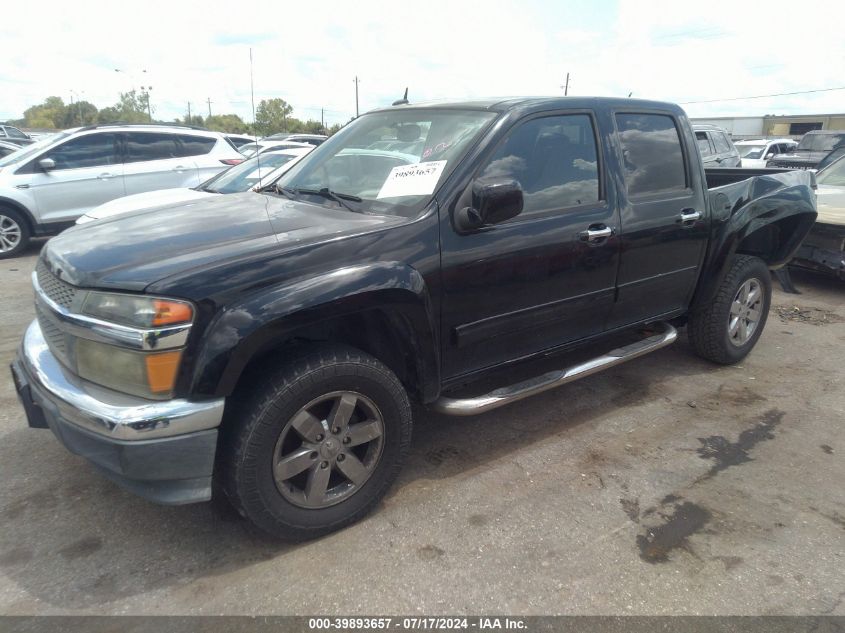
[(703, 143), (144, 146), (553, 158), (723, 145), (653, 157), (195, 145)]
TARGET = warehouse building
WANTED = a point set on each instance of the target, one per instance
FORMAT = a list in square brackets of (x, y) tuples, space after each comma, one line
[(741, 127)]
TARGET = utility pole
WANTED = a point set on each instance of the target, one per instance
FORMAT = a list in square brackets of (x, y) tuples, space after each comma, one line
[(209, 106), (356, 96), (323, 118), (566, 87), (189, 114)]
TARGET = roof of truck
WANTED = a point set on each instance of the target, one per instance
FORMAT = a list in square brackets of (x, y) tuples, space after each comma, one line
[(501, 104)]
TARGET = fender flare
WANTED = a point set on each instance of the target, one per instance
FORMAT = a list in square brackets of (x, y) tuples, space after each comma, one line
[(268, 318)]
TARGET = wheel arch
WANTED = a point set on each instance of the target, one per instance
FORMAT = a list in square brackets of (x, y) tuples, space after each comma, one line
[(382, 309), (17, 206)]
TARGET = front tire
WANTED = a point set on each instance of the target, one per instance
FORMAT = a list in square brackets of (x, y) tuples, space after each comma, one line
[(317, 445), (727, 329), (14, 233)]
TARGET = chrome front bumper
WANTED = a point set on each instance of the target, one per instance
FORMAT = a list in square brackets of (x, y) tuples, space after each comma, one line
[(163, 451)]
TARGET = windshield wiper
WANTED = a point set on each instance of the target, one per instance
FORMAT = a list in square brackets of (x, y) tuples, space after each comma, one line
[(285, 191), (325, 192)]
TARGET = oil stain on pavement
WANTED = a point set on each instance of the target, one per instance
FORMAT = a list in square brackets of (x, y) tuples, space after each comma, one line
[(726, 454)]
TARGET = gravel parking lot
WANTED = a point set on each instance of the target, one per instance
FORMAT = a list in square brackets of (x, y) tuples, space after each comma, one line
[(665, 486)]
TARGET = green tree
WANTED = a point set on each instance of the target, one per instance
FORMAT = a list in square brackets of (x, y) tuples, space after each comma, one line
[(272, 116), (50, 114), (80, 113), (230, 123)]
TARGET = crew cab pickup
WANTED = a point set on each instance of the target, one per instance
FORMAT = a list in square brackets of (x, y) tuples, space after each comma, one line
[(268, 345)]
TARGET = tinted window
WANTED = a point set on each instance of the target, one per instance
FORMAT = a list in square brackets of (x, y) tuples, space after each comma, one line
[(553, 158), (5, 151), (653, 157), (84, 151), (195, 145), (723, 145), (144, 146), (703, 143), (14, 132)]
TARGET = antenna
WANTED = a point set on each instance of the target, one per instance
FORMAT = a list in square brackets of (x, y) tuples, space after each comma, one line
[(254, 122), (403, 100)]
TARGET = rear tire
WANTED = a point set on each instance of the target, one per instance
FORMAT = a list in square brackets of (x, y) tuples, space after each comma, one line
[(727, 329), (14, 233), (317, 445)]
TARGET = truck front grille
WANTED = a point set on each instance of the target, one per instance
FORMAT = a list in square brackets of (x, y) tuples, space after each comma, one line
[(52, 334), (788, 165), (55, 289)]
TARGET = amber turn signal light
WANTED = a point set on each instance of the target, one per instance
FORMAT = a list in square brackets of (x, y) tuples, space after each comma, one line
[(171, 312)]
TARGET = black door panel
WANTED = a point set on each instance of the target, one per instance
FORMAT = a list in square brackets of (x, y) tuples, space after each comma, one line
[(534, 282)]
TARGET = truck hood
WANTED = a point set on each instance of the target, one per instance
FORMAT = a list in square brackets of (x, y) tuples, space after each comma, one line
[(133, 250), (144, 200), (801, 157)]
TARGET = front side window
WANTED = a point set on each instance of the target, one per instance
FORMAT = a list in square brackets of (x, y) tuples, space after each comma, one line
[(554, 159), (146, 146), (652, 152), (821, 142), (723, 145), (35, 148), (92, 150), (195, 145), (703, 143), (387, 162), (833, 175), (14, 132)]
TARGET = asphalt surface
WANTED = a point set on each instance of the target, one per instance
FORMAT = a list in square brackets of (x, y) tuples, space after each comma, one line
[(665, 486)]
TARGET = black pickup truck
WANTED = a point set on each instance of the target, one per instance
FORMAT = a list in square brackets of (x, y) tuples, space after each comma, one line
[(268, 345)]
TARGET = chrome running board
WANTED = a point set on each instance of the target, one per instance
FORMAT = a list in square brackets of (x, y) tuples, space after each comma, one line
[(526, 388)]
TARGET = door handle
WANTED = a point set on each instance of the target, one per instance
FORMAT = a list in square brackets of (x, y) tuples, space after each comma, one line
[(719, 160), (178, 168), (595, 233), (104, 176), (689, 217)]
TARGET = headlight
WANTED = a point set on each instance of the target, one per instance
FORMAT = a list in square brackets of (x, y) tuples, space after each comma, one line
[(144, 374), (137, 311)]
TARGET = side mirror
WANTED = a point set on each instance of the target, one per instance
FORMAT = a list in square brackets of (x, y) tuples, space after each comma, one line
[(493, 201), (770, 155), (47, 164)]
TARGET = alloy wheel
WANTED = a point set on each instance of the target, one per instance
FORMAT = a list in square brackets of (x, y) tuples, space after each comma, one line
[(328, 449)]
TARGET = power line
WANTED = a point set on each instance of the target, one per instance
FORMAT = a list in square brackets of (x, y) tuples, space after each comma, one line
[(778, 94)]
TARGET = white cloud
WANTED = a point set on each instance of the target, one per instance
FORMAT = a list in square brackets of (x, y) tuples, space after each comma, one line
[(193, 51)]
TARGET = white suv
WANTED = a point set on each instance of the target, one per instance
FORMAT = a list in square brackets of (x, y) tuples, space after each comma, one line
[(49, 184)]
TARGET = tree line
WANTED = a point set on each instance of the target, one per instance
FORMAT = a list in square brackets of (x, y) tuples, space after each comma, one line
[(271, 116)]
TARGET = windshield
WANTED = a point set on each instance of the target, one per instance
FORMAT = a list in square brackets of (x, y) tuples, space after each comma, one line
[(246, 174), (750, 151), (834, 174), (821, 142), (31, 150), (387, 162)]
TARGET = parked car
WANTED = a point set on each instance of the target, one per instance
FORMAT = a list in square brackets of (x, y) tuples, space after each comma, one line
[(311, 139), (46, 186), (812, 148), (757, 152), (239, 140), (250, 175), (7, 148), (259, 147), (11, 134), (274, 342), (716, 147), (823, 249)]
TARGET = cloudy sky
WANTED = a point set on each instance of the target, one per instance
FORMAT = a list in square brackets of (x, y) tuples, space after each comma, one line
[(309, 53)]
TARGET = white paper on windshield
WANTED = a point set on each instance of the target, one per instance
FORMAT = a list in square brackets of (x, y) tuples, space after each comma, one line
[(419, 179)]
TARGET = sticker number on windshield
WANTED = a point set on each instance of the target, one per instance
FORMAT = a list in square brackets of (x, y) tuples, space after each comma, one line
[(412, 180)]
